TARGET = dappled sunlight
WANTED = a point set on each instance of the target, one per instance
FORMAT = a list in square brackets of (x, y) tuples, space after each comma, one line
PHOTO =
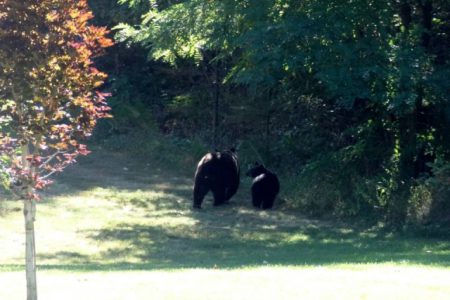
[(296, 238), (135, 220)]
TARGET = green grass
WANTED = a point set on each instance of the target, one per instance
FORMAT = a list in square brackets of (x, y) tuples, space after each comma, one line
[(116, 228)]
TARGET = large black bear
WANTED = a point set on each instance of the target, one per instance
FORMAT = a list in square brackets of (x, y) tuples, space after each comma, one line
[(218, 172), (265, 186)]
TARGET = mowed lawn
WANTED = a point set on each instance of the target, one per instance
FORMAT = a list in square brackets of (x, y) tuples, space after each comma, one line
[(116, 228)]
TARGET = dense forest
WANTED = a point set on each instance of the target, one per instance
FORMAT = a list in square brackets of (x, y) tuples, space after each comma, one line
[(347, 100)]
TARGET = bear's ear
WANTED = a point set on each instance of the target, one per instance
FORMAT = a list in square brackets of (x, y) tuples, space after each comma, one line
[(232, 149), (256, 163)]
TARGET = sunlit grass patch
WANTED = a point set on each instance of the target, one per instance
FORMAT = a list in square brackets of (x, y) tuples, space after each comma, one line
[(384, 281)]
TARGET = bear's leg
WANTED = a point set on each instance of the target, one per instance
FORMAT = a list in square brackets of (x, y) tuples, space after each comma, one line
[(268, 202), (200, 190), (256, 197), (232, 189), (219, 196)]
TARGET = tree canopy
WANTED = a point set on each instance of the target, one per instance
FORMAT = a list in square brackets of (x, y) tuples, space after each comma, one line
[(47, 86)]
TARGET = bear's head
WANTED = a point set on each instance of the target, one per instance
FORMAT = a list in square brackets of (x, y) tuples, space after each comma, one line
[(256, 170)]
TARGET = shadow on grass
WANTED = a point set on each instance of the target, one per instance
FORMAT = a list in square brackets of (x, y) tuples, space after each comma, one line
[(231, 247), (239, 246), (239, 243)]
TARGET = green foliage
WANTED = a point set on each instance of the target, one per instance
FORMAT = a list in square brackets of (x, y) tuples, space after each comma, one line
[(347, 100), (180, 31), (335, 183), (419, 205), (5, 180), (439, 187)]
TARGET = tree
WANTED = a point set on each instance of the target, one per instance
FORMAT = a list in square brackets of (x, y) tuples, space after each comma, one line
[(194, 33), (48, 95)]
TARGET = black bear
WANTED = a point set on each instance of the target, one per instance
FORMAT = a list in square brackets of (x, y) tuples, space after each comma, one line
[(265, 186), (217, 172)]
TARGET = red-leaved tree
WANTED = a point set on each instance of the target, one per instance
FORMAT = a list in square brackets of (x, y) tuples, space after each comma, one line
[(49, 98)]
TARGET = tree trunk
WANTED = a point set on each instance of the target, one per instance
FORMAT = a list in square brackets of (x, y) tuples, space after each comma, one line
[(408, 151), (427, 22), (407, 144), (216, 107), (268, 141), (267, 129), (29, 212)]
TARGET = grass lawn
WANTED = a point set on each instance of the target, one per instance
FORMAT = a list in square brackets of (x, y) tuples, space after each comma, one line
[(115, 228)]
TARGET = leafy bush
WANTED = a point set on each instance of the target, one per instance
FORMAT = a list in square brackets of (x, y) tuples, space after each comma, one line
[(419, 204), (343, 182), (439, 187)]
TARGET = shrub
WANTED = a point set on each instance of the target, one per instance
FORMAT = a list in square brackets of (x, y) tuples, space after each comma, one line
[(439, 186)]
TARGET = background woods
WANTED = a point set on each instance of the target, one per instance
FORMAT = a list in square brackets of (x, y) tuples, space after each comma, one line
[(348, 100)]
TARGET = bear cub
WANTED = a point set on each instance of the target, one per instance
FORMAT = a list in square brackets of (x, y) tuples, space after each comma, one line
[(265, 186), (219, 173)]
